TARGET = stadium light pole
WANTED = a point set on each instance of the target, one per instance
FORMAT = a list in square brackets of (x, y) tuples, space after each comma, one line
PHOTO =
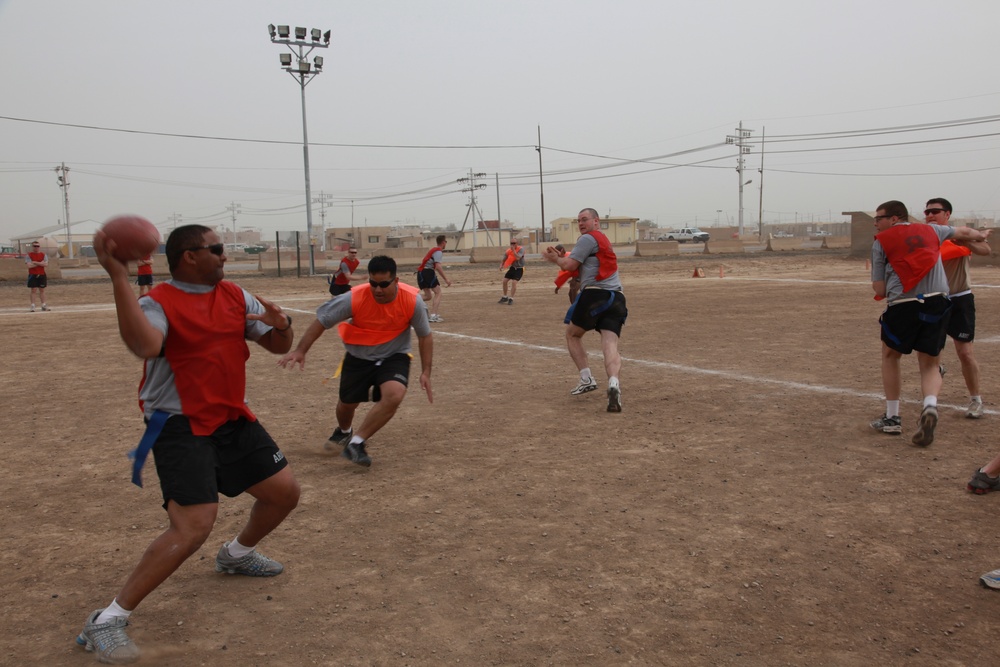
[(297, 64)]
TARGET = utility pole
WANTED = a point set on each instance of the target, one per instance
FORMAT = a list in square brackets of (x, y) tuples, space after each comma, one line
[(741, 141), (175, 218), (760, 204), (541, 185), (234, 208), (324, 202), (63, 180), (471, 189)]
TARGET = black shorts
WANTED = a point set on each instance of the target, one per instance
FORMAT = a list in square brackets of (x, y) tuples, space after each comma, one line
[(39, 281), (962, 321), (514, 274), (360, 375), (599, 310), (917, 326), (194, 469), (144, 279), (337, 290), (427, 279)]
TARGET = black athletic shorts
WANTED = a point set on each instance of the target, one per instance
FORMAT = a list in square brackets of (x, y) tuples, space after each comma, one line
[(358, 376), (337, 290), (917, 326), (39, 281), (599, 310), (514, 274), (427, 279), (962, 321), (195, 469), (144, 279)]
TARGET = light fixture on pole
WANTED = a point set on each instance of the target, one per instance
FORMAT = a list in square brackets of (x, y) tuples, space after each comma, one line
[(297, 64)]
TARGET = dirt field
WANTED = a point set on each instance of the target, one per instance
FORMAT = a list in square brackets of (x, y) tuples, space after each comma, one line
[(739, 511)]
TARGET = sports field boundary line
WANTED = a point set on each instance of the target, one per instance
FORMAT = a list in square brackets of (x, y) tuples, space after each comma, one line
[(694, 370)]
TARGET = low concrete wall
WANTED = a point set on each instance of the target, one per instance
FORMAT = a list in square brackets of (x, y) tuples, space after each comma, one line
[(487, 254), (784, 244), (656, 248), (836, 242), (723, 247), (14, 269)]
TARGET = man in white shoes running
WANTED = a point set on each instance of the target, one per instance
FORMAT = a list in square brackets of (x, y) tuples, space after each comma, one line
[(599, 307)]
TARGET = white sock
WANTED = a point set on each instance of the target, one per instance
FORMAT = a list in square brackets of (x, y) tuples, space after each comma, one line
[(113, 611), (892, 408), (612, 382), (237, 550), (585, 374), (929, 401), (977, 399), (356, 440)]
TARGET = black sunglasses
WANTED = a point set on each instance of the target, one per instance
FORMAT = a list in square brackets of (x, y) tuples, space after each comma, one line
[(384, 284), (933, 211), (215, 248)]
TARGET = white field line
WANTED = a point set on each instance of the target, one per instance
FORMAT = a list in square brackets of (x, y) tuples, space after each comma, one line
[(694, 370)]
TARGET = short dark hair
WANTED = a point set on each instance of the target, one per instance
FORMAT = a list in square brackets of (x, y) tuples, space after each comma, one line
[(382, 264), (181, 239), (940, 201), (894, 208), (591, 211), (441, 239)]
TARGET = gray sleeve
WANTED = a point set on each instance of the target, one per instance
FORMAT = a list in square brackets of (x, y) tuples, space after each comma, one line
[(585, 246), (335, 310), (154, 313), (254, 328)]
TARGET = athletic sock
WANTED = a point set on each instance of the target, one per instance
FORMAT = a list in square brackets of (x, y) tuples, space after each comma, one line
[(892, 408), (612, 382), (585, 374), (930, 401), (977, 399), (356, 440), (113, 611), (237, 550)]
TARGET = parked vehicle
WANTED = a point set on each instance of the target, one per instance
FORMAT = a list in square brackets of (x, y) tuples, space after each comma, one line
[(8, 251), (684, 234)]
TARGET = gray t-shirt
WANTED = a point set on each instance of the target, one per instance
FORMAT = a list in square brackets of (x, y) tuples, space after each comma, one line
[(585, 252), (934, 281), (159, 392), (338, 309)]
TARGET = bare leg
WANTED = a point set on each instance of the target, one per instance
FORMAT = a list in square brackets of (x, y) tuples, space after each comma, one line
[(970, 367), (574, 342), (436, 300), (891, 380), (392, 396), (513, 288), (345, 415), (276, 497), (930, 376), (612, 359)]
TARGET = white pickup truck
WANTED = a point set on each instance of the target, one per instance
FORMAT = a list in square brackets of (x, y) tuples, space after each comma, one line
[(683, 235)]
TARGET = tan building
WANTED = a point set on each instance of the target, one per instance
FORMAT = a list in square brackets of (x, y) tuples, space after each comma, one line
[(619, 230)]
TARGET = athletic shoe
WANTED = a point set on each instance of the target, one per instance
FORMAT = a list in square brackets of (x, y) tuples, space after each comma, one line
[(981, 483), (614, 399), (254, 564), (975, 410), (890, 425), (44, 307), (108, 640), (32, 308), (590, 384), (338, 439), (435, 318), (990, 580), (355, 453), (510, 301), (925, 430), (503, 299)]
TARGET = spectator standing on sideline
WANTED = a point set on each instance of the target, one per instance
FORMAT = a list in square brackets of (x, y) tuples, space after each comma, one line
[(572, 277), (144, 275), (600, 307), (37, 279), (427, 277), (907, 273), (377, 360), (191, 331), (340, 281), (956, 258), (514, 263)]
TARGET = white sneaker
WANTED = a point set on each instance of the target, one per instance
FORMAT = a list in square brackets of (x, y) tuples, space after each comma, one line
[(32, 308), (44, 307), (975, 410), (590, 384), (435, 318)]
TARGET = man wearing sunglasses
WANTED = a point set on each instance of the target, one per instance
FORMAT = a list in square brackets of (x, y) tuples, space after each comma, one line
[(514, 263), (956, 259), (907, 273), (376, 366), (340, 281), (599, 307), (192, 331)]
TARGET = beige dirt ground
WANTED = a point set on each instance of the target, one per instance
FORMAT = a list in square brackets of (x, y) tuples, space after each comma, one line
[(738, 512)]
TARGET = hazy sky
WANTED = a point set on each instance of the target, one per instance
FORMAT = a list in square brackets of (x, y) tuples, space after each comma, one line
[(634, 98)]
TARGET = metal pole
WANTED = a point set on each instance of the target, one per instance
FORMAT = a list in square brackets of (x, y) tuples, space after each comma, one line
[(305, 159), (760, 205), (739, 170), (499, 219), (541, 185)]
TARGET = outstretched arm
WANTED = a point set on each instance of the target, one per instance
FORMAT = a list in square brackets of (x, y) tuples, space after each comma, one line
[(298, 355), (426, 346), (141, 338)]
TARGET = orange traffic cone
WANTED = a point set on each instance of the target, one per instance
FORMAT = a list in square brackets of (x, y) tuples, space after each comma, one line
[(722, 272), (698, 273)]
